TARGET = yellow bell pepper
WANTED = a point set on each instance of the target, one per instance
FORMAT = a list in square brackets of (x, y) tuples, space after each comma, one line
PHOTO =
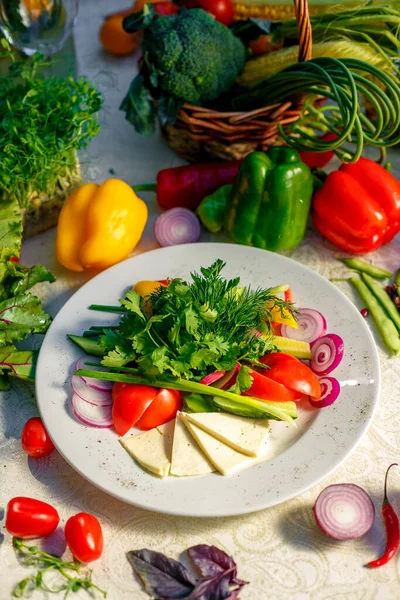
[(284, 318), (144, 288), (99, 225)]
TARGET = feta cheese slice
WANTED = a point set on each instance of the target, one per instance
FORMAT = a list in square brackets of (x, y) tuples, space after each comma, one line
[(224, 458), (152, 449), (187, 457), (249, 436)]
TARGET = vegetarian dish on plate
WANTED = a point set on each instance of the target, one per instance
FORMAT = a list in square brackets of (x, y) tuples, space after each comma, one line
[(200, 368)]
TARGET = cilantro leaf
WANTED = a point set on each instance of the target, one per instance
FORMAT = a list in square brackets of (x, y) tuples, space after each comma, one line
[(243, 381), (191, 321), (132, 302), (118, 357)]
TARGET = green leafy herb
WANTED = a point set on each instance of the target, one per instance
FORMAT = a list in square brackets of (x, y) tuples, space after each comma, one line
[(43, 122), (18, 364), (74, 577), (195, 328)]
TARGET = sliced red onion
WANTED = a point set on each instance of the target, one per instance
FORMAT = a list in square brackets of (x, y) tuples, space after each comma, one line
[(96, 384), (90, 394), (344, 511), (177, 226), (93, 415), (312, 325), (212, 377), (326, 353), (330, 388), (229, 379)]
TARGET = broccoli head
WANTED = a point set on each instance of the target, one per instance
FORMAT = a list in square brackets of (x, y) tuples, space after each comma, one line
[(196, 57), (188, 57)]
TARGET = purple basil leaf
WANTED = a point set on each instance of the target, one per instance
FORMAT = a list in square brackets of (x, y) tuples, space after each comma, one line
[(211, 561), (219, 587), (162, 577)]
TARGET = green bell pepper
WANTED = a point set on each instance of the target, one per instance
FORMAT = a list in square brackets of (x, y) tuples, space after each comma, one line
[(211, 210), (270, 200)]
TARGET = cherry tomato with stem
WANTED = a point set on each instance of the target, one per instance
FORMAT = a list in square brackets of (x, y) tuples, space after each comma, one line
[(84, 537), (30, 518), (35, 440)]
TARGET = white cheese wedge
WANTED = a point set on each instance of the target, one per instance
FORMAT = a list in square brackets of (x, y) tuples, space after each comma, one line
[(187, 457), (224, 458), (249, 436), (152, 449)]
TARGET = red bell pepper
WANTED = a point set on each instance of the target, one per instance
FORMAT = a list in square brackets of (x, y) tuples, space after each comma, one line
[(358, 207), (187, 186), (319, 159)]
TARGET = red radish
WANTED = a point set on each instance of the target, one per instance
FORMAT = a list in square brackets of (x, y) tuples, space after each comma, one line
[(326, 353), (212, 377), (93, 415), (330, 390), (344, 511), (312, 325)]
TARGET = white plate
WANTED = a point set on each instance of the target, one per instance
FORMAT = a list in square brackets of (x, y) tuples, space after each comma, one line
[(302, 457)]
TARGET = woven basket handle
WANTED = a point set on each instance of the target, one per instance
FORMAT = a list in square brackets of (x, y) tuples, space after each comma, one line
[(304, 29)]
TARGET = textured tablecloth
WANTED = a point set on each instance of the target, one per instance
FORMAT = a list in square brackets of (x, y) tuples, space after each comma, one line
[(280, 551)]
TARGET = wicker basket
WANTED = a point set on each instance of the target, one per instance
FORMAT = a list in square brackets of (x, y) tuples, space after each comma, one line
[(200, 134)]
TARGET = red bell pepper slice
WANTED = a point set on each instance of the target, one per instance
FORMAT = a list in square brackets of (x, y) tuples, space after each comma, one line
[(265, 388), (291, 372)]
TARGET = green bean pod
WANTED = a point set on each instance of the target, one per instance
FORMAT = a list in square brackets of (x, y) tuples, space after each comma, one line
[(383, 298), (384, 325), (363, 267)]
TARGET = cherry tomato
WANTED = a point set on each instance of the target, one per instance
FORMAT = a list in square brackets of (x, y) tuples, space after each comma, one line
[(319, 159), (35, 440), (291, 372), (163, 408), (29, 518), (84, 537), (267, 389), (130, 400), (222, 10), (165, 9)]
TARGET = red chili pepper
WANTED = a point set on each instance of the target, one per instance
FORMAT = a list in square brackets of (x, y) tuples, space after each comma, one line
[(392, 529), (358, 207), (319, 159), (187, 186)]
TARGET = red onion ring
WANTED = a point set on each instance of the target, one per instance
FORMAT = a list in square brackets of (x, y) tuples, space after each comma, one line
[(344, 511), (312, 325), (96, 384), (90, 394), (330, 388), (93, 415), (326, 353), (177, 226)]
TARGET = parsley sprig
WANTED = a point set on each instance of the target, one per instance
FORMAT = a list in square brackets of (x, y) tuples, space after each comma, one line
[(196, 327), (43, 122)]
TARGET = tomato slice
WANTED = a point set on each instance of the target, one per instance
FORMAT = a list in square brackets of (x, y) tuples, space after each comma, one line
[(163, 408), (291, 372), (264, 388), (130, 401)]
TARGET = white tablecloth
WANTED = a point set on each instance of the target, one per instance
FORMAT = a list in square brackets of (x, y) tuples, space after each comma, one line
[(279, 551)]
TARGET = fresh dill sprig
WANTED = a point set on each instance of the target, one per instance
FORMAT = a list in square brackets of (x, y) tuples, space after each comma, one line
[(43, 122)]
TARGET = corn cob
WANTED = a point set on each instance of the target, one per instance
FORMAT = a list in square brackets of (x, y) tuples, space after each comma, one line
[(272, 12)]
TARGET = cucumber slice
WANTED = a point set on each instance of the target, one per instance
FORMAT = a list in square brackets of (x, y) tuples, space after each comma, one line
[(89, 345)]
